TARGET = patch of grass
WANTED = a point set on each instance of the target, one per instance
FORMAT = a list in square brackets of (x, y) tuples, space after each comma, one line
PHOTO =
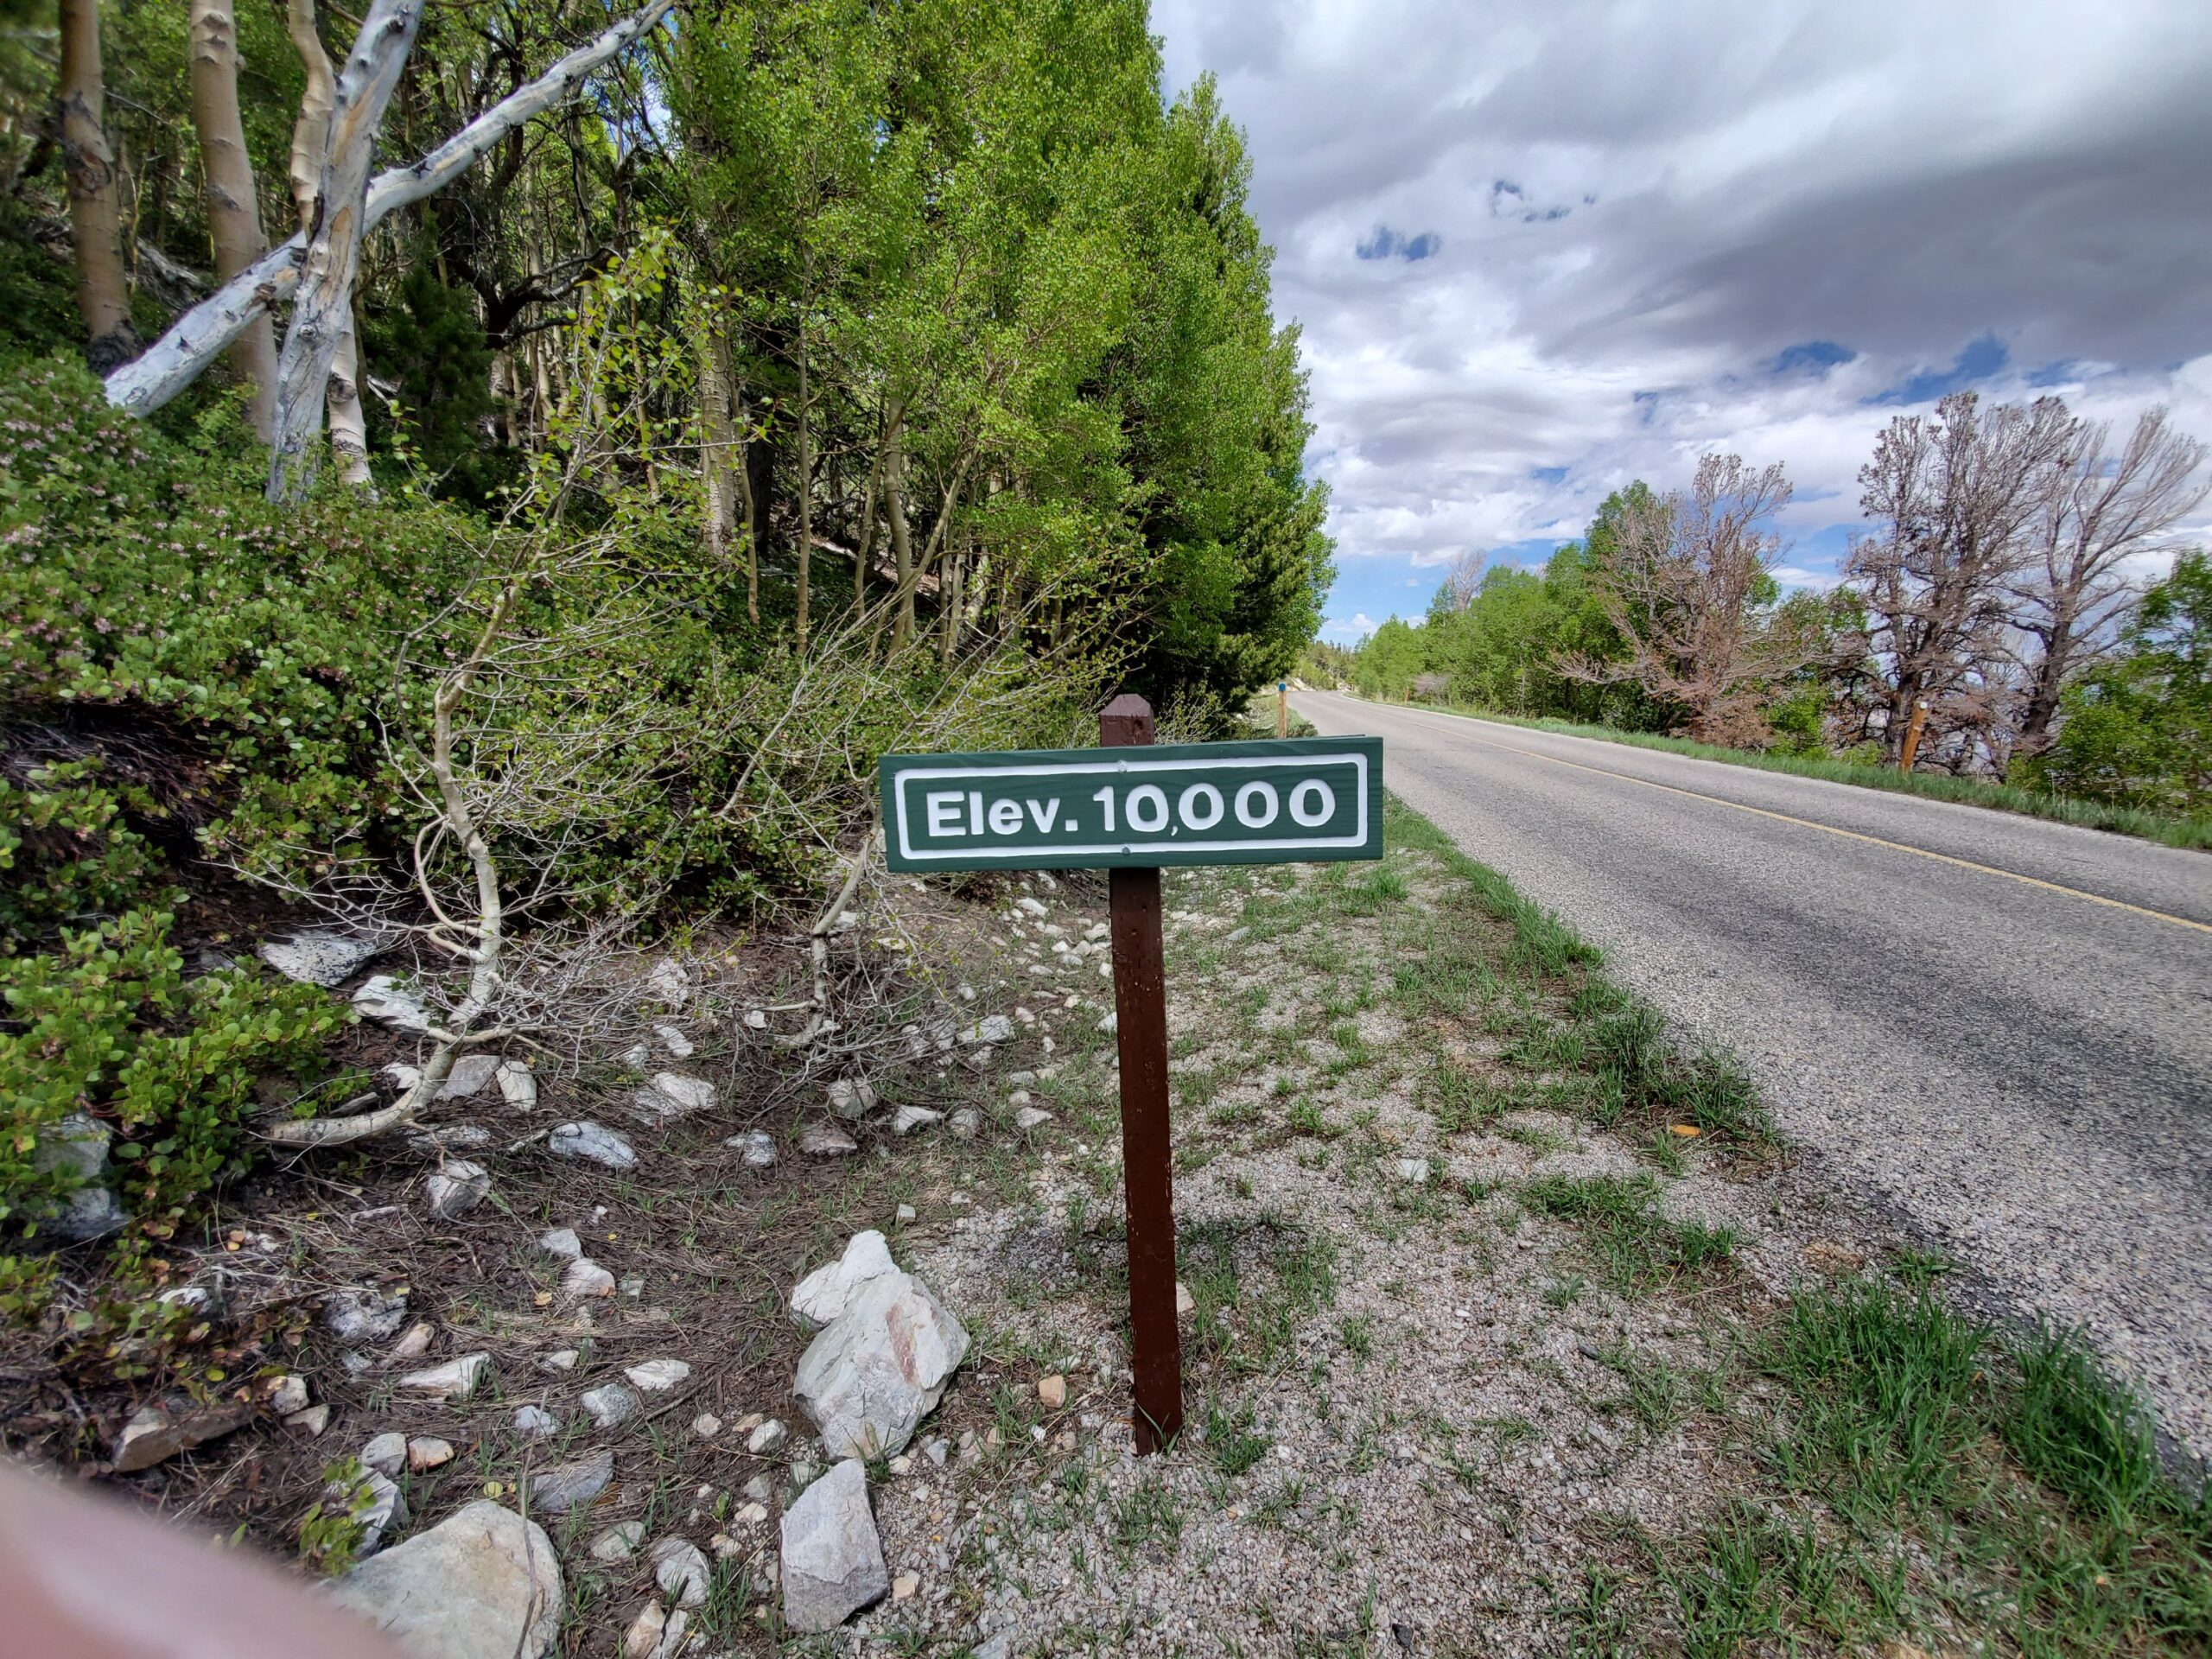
[(2186, 832), (1633, 1241), (1232, 1441), (1149, 1514)]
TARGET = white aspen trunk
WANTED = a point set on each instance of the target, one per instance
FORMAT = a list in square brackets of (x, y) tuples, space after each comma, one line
[(203, 334), (323, 313), (349, 427), (233, 209), (95, 212), (719, 447), (902, 543), (748, 510)]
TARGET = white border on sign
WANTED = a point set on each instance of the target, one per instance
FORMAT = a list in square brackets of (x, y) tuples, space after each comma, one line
[(1092, 768)]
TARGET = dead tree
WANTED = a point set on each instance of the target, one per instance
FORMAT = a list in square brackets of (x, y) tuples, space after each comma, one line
[(2105, 508), (233, 209), (1686, 586), (95, 210), (1957, 495)]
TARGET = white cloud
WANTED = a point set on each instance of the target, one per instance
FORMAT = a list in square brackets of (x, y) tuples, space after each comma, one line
[(1635, 211)]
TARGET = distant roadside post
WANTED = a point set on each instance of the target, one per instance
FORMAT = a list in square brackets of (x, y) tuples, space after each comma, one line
[(1291, 801)]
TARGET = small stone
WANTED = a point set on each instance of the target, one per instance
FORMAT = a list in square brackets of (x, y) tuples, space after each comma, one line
[(413, 1345), (1053, 1391), (561, 1241), (756, 1020), (611, 1404), (457, 1187), (455, 1380), (669, 982), (826, 1141), (571, 1485), (471, 1075), (758, 1146), (1414, 1170), (1112, 1022), (670, 1094), (751, 1515), (634, 1285), (905, 1212), (386, 1507), (593, 1142), (386, 1454), (310, 1422), (991, 1028), (832, 1557), (680, 1571), (643, 1639), (937, 1452), (560, 1359), (365, 1315), (759, 1488), (637, 1057), (1029, 906), (384, 1000), (585, 1277), (851, 1098), (673, 1040), (289, 1395), (765, 1440), (910, 1118), (964, 1122), (706, 1425), (518, 1084), (901, 1465), (154, 1436), (536, 1423), (904, 1586), (657, 1375), (426, 1452), (1031, 1117), (618, 1542)]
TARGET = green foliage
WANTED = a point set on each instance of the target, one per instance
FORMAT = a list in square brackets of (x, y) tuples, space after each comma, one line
[(429, 343), (2138, 730), (108, 1022), (332, 1531)]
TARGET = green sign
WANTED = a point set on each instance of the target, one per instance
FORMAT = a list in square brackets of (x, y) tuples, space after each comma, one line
[(1299, 800)]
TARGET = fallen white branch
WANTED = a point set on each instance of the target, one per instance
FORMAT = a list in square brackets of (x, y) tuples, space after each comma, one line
[(202, 334)]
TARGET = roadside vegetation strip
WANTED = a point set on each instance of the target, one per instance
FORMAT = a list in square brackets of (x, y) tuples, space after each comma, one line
[(2193, 834), (1928, 1476)]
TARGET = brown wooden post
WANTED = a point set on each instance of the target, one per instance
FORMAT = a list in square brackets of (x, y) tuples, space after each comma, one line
[(1140, 1022), (1282, 709), (1910, 751)]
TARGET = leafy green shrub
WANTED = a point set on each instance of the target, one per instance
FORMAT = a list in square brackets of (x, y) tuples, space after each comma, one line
[(110, 1022)]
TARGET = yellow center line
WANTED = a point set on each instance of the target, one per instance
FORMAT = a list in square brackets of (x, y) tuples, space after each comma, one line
[(1848, 835)]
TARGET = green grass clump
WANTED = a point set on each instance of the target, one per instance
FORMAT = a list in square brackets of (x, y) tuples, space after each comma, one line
[(1636, 1244)]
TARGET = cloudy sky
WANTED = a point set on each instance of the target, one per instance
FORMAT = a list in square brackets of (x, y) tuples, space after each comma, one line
[(1540, 248)]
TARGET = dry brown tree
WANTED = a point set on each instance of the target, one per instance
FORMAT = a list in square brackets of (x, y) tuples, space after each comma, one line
[(1687, 586), (1957, 496), (2100, 509)]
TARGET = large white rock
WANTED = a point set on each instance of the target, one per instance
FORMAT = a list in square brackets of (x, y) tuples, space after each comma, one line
[(455, 1380), (482, 1584), (594, 1142), (871, 1377), (822, 1294), (832, 1558), (324, 957)]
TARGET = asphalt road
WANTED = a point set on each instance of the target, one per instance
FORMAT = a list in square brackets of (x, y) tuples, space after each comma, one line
[(1998, 1028)]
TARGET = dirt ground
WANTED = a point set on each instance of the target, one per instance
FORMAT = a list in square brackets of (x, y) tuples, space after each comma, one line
[(1457, 1354)]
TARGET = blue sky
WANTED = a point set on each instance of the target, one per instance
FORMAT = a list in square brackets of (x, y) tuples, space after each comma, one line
[(1543, 248)]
